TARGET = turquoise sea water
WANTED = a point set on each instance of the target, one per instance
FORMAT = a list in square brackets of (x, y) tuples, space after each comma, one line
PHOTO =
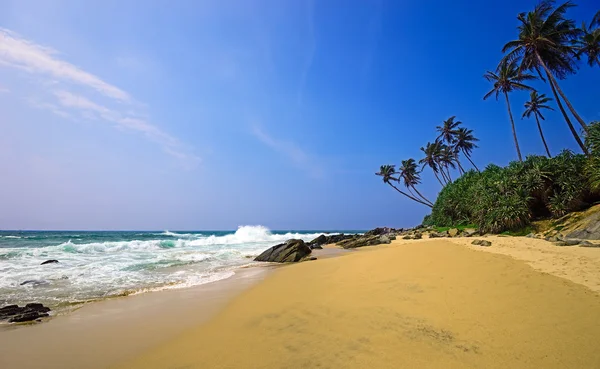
[(97, 265)]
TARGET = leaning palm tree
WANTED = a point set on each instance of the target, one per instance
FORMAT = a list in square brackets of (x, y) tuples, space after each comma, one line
[(588, 42), (465, 142), (534, 106), (448, 130), (388, 172), (507, 78), (431, 159), (545, 42), (447, 158), (409, 174)]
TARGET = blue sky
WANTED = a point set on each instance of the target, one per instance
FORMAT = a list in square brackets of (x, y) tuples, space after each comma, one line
[(214, 114)]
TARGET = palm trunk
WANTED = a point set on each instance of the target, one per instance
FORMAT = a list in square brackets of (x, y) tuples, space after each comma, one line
[(438, 178), (471, 161), (564, 113), (423, 197), (512, 122), (444, 177), (409, 196), (460, 168), (542, 135), (551, 77)]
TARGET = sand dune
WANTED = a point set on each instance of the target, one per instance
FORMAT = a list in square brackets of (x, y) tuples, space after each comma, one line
[(427, 304)]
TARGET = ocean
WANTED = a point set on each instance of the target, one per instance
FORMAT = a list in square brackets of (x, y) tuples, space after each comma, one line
[(99, 265)]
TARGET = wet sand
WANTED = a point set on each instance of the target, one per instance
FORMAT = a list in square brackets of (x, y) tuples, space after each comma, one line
[(420, 304), (100, 334)]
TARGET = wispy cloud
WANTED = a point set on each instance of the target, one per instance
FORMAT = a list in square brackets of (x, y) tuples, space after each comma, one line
[(26, 55), (3, 90), (296, 154), (57, 80)]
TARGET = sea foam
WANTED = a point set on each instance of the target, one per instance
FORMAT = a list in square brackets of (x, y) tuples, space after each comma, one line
[(90, 270)]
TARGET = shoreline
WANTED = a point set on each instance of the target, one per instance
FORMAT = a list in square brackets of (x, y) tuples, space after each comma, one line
[(91, 325), (73, 340), (428, 304), (140, 331)]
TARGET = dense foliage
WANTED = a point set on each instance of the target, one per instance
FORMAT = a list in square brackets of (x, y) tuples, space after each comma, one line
[(592, 169), (500, 199), (548, 46)]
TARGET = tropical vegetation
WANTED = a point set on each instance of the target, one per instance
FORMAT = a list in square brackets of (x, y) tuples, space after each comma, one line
[(548, 47)]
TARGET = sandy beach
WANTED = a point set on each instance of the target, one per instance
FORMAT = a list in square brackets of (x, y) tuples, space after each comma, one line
[(522, 303), (426, 304)]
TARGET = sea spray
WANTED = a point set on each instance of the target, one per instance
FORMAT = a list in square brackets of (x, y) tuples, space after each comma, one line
[(96, 265)]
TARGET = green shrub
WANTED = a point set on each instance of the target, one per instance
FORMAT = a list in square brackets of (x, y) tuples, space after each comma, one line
[(506, 199), (592, 169)]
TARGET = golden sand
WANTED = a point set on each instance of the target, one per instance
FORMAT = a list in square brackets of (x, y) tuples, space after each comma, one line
[(429, 304)]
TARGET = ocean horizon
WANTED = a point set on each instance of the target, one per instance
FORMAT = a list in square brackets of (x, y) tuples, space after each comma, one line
[(95, 265)]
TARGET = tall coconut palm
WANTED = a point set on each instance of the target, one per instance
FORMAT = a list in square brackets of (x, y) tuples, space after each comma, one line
[(534, 106), (588, 42), (447, 158), (447, 130), (388, 172), (431, 159), (409, 174), (465, 142), (545, 42), (507, 78)]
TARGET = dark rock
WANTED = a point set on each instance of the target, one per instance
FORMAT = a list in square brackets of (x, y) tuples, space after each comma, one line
[(316, 247), (481, 243), (49, 262), (552, 239), (591, 231), (321, 240), (26, 317), (567, 242), (382, 231), (438, 234), (288, 252), (588, 244), (469, 232), (330, 239), (385, 239), (312, 258), (37, 307), (531, 235), (34, 282), (29, 312)]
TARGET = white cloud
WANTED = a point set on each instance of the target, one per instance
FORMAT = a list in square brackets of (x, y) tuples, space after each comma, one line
[(23, 54), (57, 80), (4, 90), (298, 156)]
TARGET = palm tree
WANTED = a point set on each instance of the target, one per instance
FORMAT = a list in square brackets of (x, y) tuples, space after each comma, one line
[(465, 142), (431, 159), (534, 106), (448, 130), (545, 41), (506, 79), (387, 172), (409, 174), (588, 42), (446, 159)]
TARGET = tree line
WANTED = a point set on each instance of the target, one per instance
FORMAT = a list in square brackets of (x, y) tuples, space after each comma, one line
[(548, 47)]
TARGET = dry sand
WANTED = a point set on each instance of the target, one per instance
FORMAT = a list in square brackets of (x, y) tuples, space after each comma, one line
[(419, 304)]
